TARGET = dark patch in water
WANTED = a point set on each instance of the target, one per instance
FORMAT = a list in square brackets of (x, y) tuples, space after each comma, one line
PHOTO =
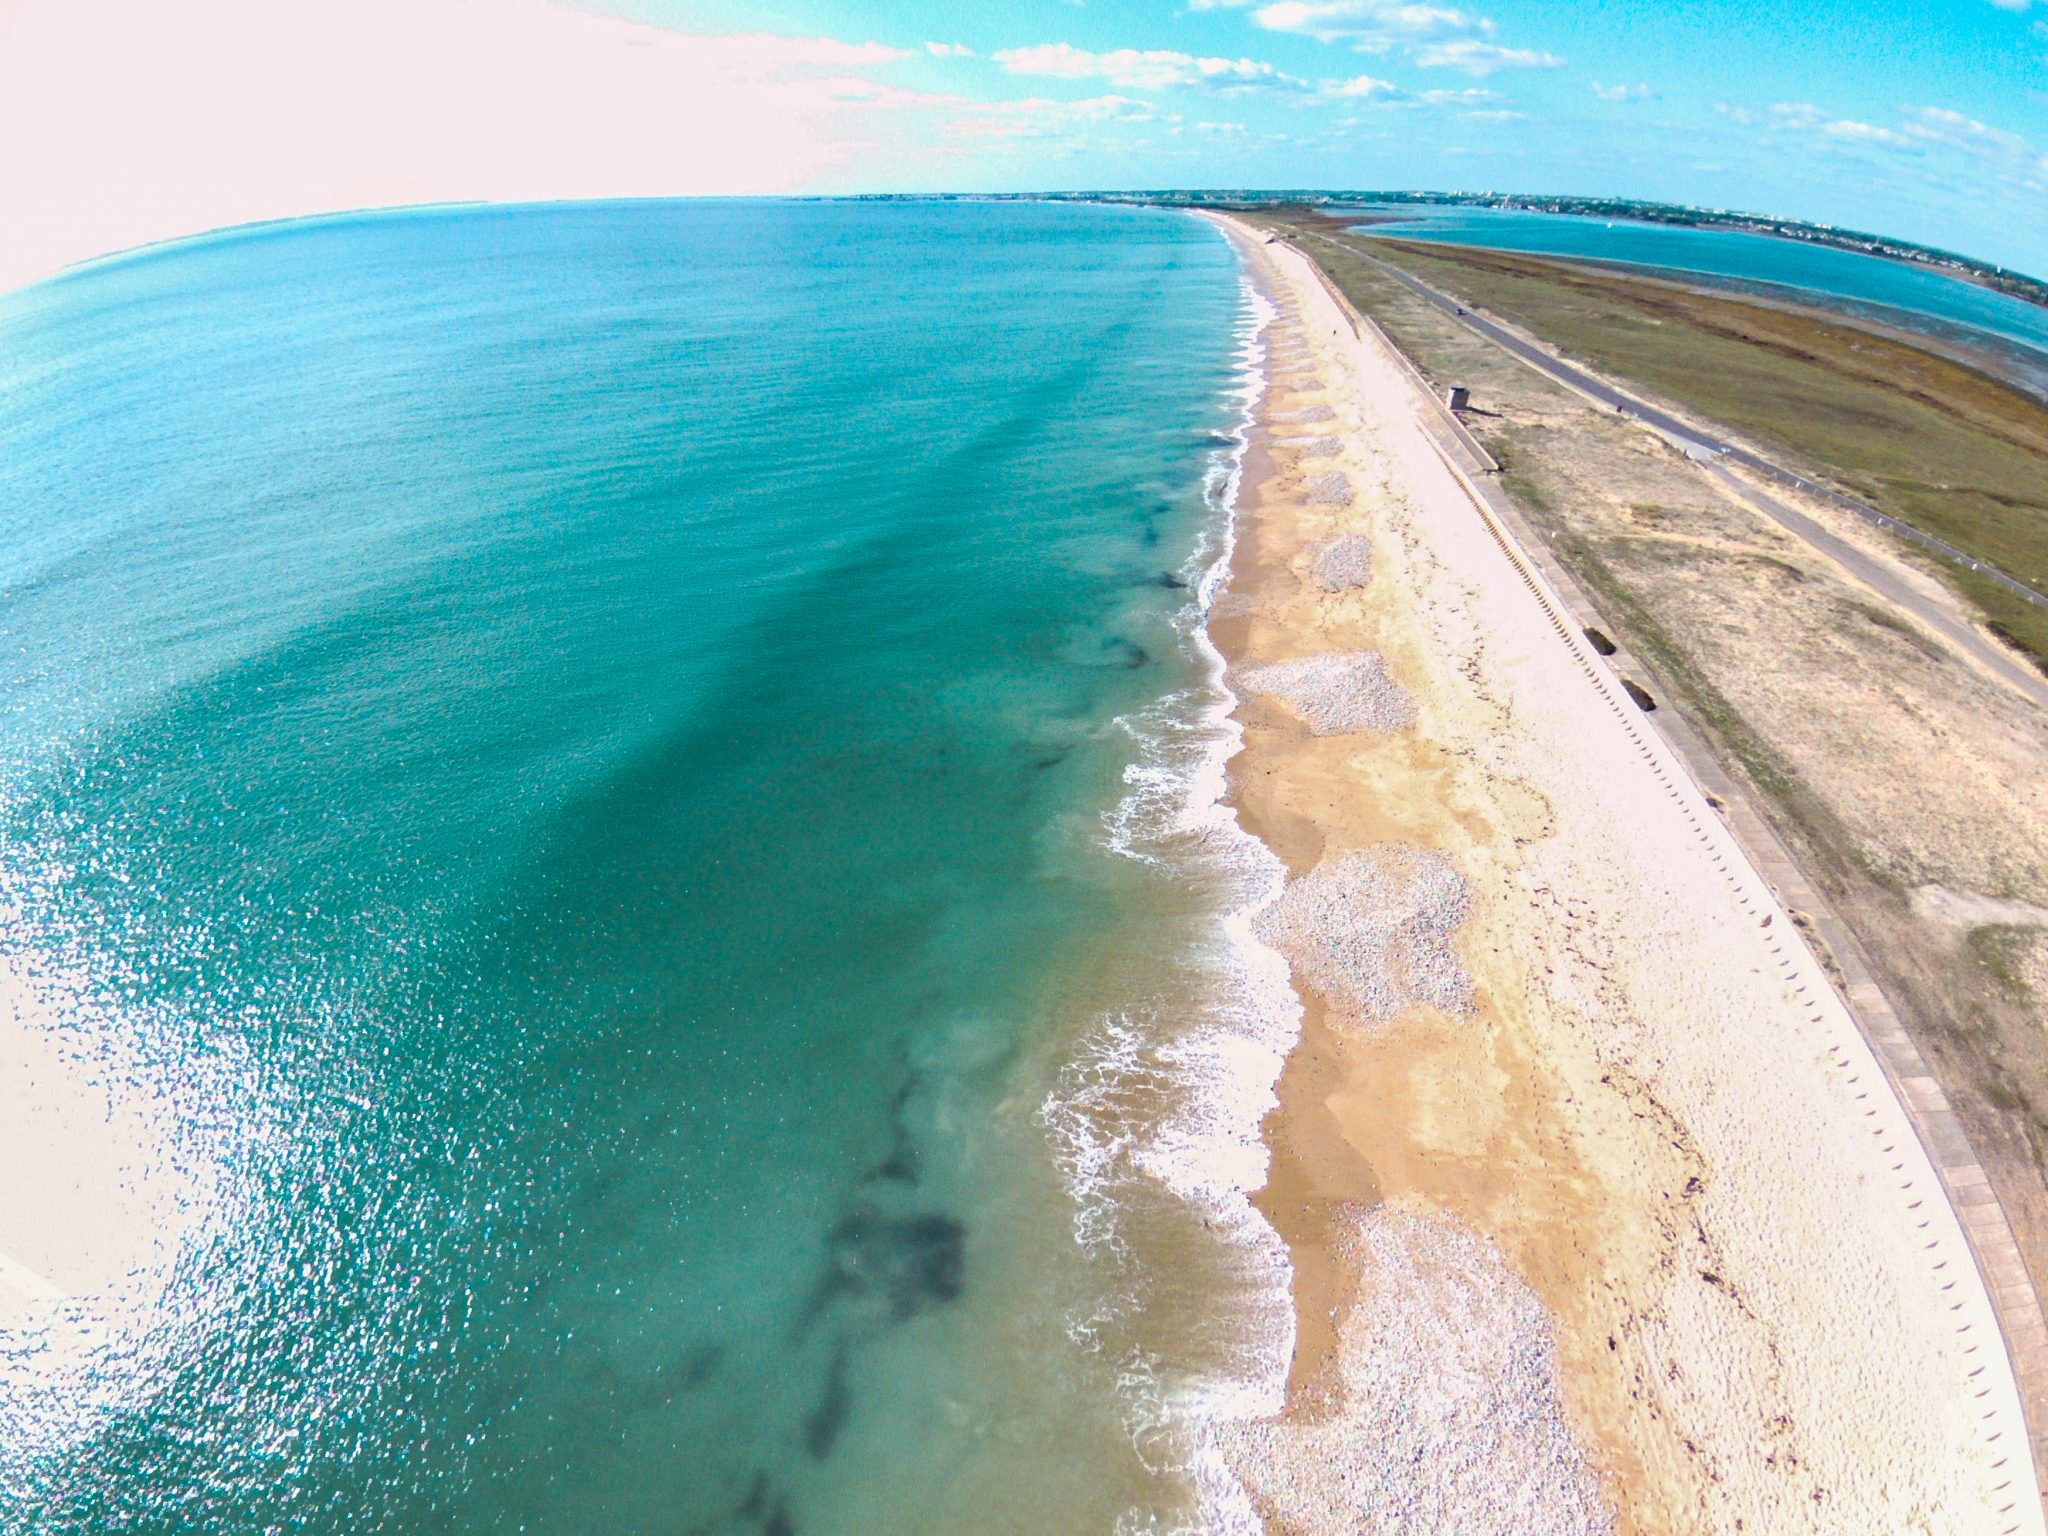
[(663, 1384), (903, 1263), (769, 1508), (1051, 760), (755, 1504), (824, 1423), (764, 1508), (701, 1364), (901, 1166), (1171, 582)]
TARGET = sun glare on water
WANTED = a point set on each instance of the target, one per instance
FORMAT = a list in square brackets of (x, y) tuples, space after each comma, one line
[(105, 1229)]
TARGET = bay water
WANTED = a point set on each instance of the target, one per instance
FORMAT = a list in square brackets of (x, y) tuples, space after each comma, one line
[(2009, 333)]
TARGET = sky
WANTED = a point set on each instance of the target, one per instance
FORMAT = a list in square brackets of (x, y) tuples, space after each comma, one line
[(128, 121)]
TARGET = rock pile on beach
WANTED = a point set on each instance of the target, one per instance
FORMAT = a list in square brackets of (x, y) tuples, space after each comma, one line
[(1374, 932), (1328, 490), (1343, 564), (1306, 414), (1314, 447), (1445, 1412), (1336, 693)]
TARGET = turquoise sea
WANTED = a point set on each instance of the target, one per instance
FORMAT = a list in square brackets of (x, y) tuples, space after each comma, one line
[(2013, 331), (632, 788)]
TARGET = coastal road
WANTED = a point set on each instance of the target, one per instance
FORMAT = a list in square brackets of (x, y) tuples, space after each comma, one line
[(1715, 455), (1912, 1086), (1685, 434)]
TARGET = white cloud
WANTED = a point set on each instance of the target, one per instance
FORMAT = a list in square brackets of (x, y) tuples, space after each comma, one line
[(2002, 158), (1621, 92), (1361, 85), (1940, 125), (1370, 26), (1141, 69), (1796, 114), (1369, 90), (159, 120), (2012, 5), (1864, 133), (1434, 36), (1805, 117), (1935, 147), (1039, 117), (1476, 58), (949, 50)]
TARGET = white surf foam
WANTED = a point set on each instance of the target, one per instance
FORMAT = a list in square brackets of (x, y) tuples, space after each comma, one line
[(1157, 1101), (1443, 1409)]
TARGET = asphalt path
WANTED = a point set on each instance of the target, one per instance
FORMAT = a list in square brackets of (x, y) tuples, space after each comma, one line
[(1691, 438), (1715, 455)]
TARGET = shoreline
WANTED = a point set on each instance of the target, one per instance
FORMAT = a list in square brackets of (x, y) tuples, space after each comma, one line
[(1604, 1111)]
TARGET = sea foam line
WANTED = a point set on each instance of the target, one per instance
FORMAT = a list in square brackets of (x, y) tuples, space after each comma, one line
[(1151, 1102)]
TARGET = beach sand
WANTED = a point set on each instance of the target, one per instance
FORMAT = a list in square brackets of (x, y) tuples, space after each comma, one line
[(1601, 1214)]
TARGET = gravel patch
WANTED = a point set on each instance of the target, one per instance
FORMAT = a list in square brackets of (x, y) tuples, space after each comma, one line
[(1336, 693), (1306, 413), (1343, 563), (1328, 490), (1313, 447), (1443, 1411), (1374, 932)]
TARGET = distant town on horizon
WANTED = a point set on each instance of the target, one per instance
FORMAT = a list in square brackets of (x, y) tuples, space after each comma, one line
[(1991, 274)]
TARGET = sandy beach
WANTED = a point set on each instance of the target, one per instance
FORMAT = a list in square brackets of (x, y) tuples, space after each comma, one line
[(1602, 1215)]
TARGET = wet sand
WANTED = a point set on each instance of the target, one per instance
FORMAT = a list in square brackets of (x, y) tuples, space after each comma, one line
[(1624, 1230)]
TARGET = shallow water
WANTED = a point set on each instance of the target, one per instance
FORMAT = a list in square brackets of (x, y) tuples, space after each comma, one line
[(631, 785)]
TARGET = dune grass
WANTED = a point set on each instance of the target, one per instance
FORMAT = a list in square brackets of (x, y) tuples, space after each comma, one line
[(1929, 440)]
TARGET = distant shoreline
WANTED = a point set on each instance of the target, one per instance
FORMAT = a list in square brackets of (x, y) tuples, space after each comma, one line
[(1945, 338), (1984, 274)]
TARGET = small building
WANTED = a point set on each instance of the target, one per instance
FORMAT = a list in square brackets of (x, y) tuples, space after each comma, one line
[(1457, 397)]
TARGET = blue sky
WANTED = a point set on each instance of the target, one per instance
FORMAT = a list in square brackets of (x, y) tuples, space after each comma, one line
[(1926, 119)]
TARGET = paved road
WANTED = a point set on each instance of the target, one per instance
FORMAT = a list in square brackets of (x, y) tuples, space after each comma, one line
[(1714, 455), (1688, 437)]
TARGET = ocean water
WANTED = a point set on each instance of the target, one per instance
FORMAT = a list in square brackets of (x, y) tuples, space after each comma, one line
[(1891, 292), (626, 793)]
